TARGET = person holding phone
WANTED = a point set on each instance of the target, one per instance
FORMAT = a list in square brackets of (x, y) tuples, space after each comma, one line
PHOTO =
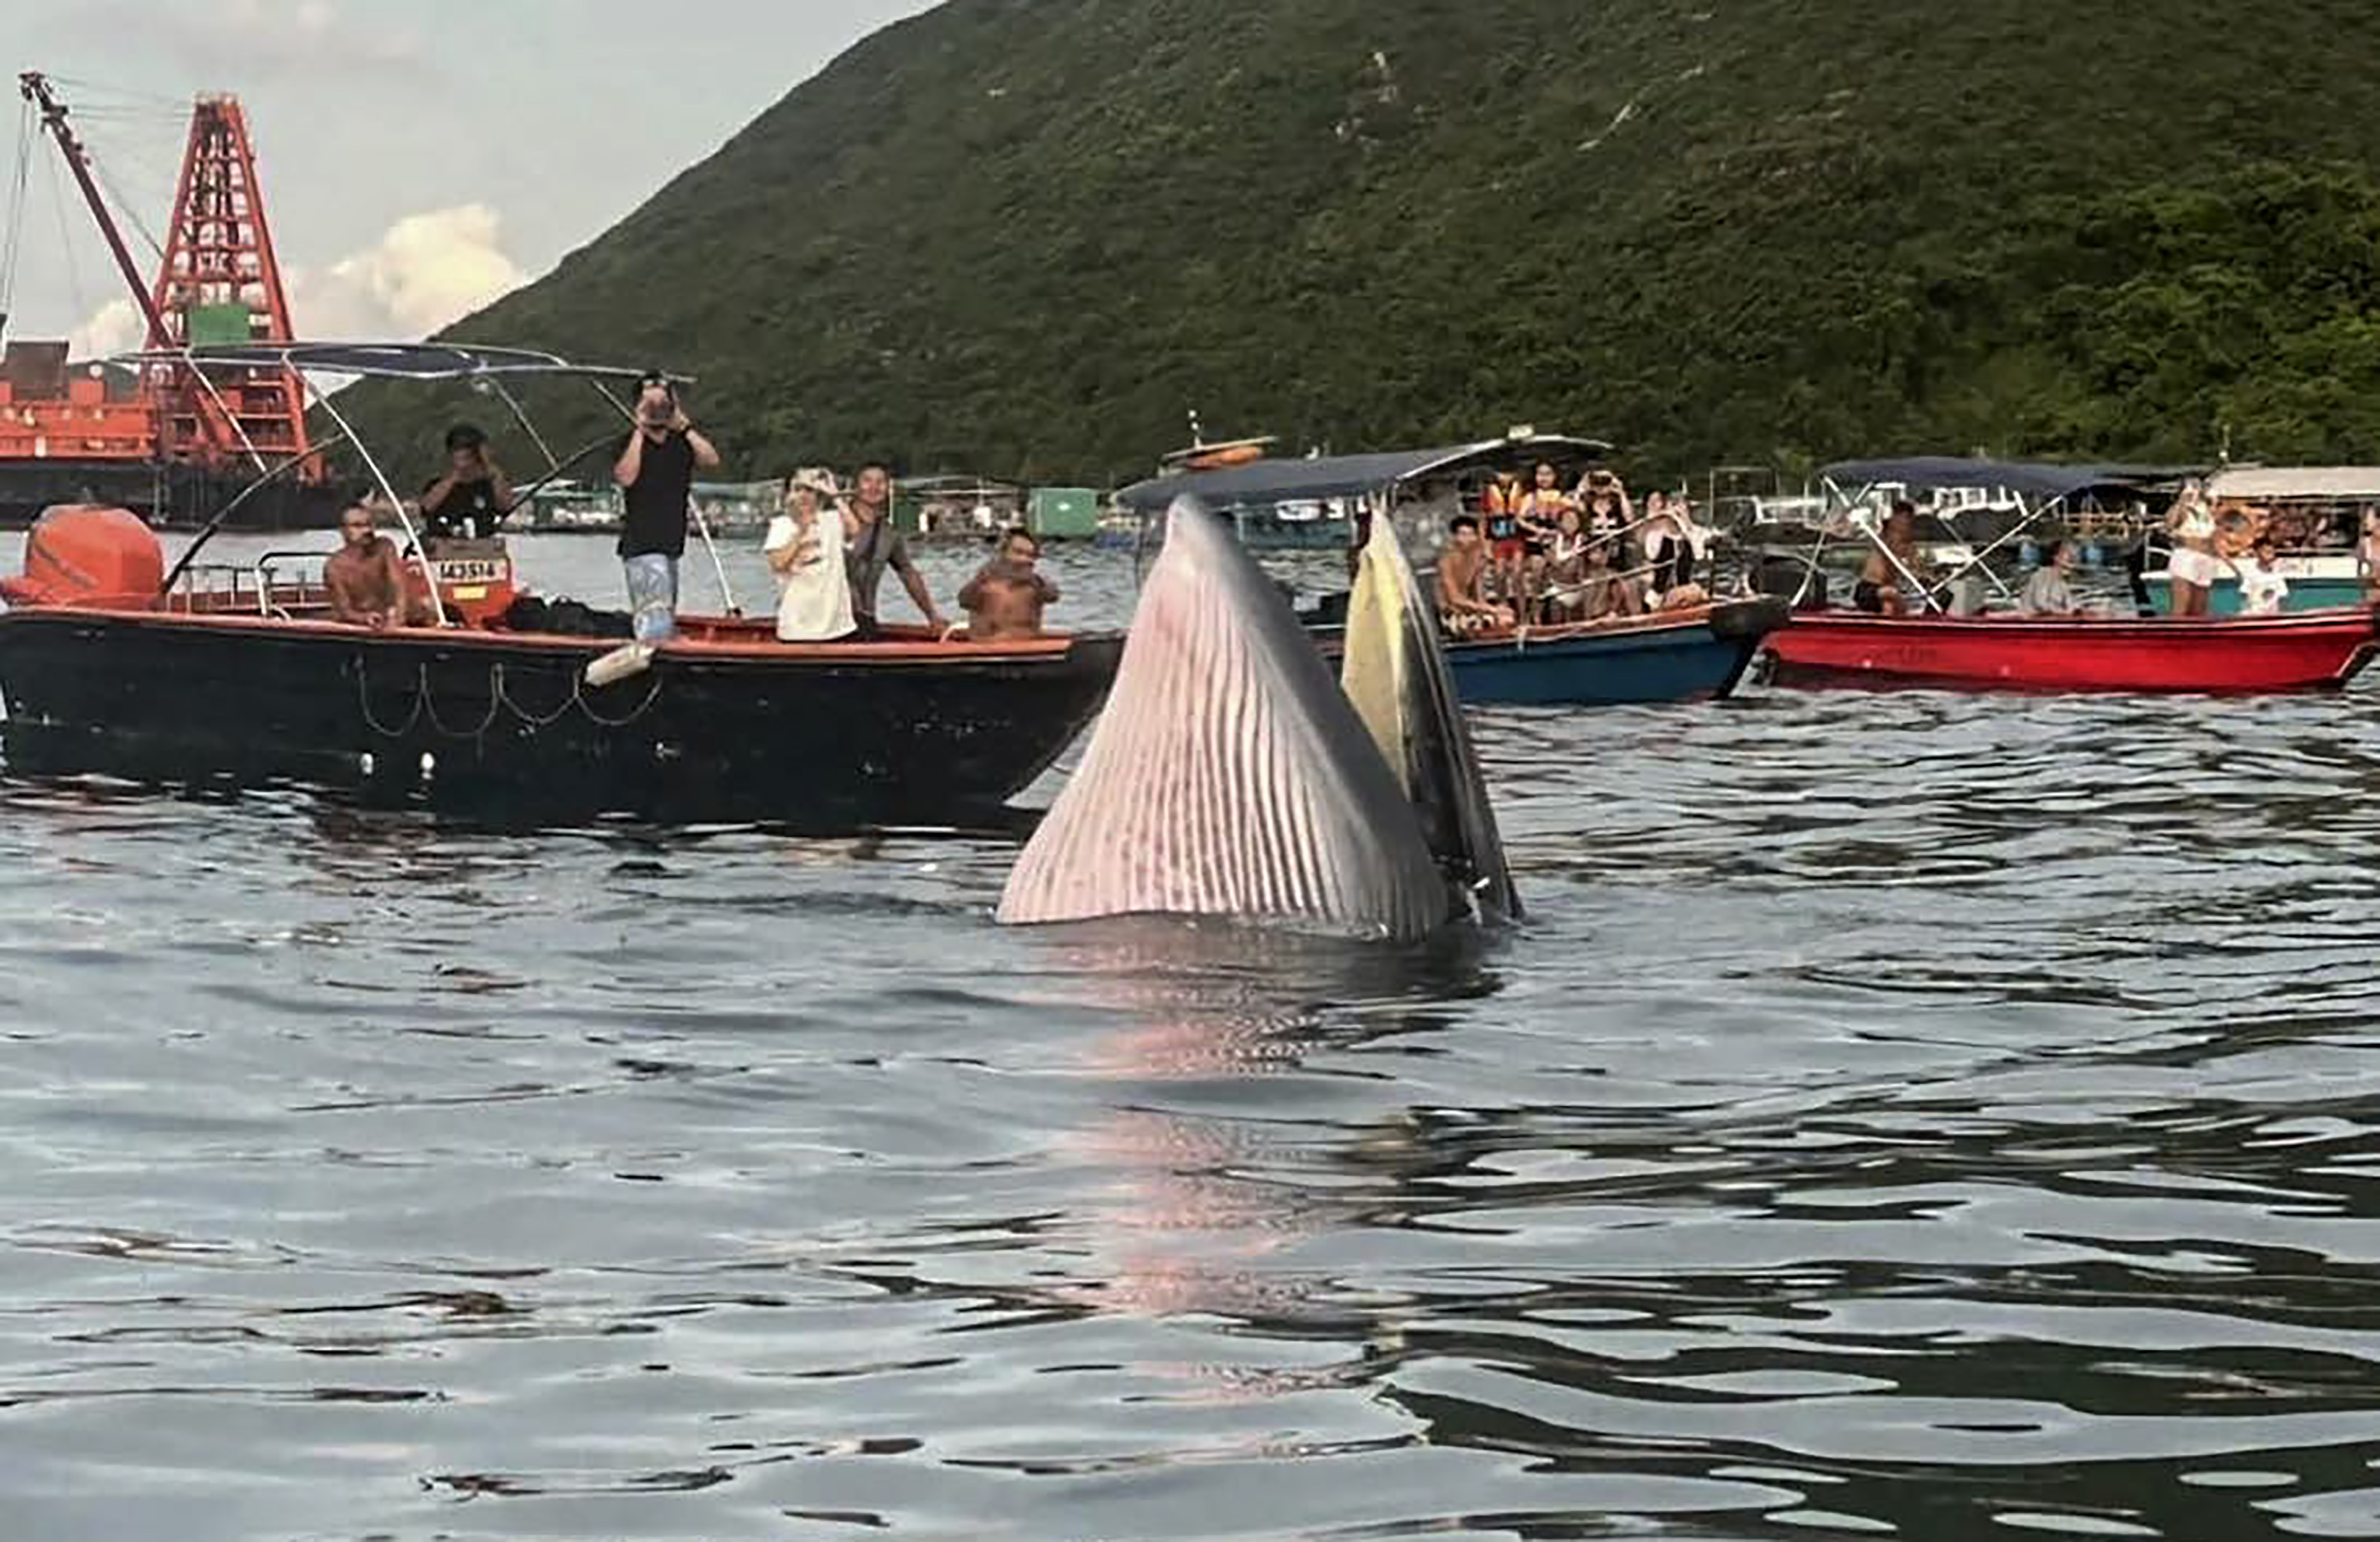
[(655, 474), (804, 551)]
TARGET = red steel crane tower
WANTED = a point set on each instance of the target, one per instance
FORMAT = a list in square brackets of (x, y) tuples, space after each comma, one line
[(219, 284)]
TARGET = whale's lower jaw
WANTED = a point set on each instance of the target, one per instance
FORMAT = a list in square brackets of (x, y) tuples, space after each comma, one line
[(1227, 777)]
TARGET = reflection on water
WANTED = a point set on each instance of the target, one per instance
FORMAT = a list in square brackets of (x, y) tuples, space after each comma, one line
[(1901, 1116)]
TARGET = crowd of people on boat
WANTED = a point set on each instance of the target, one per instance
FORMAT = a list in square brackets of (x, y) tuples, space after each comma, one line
[(2212, 539), (1540, 553), (2210, 542), (829, 548)]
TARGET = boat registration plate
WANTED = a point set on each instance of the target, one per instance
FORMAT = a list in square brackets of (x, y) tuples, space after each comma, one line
[(473, 570)]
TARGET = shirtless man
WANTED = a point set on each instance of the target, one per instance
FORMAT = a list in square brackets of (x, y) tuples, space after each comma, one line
[(1005, 599), (366, 580), (1461, 572), (1878, 591)]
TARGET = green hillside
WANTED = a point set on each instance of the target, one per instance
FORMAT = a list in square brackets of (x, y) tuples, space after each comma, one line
[(1023, 235)]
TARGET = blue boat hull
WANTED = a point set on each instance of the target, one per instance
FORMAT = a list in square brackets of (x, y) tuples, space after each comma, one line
[(1697, 657)]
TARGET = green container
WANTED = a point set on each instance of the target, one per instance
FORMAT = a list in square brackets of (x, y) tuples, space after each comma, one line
[(1064, 513), (214, 326)]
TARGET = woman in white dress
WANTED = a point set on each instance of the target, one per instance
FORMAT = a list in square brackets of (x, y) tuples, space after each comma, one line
[(805, 550)]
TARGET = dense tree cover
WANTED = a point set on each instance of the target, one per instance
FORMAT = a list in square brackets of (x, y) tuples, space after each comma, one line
[(1025, 236)]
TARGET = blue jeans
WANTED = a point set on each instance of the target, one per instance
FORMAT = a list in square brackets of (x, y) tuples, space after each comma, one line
[(652, 595)]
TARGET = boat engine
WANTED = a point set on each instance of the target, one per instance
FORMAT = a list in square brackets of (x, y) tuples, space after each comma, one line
[(89, 556)]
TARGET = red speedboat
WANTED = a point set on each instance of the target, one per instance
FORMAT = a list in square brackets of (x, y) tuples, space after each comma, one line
[(2303, 651)]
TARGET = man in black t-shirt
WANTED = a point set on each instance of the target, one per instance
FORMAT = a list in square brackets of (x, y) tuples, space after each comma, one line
[(474, 495), (656, 475)]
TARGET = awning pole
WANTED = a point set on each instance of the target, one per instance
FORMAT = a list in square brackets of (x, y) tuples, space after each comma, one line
[(420, 552)]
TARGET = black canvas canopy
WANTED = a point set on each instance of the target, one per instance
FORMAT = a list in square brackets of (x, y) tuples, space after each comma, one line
[(1285, 480), (421, 361), (2036, 481)]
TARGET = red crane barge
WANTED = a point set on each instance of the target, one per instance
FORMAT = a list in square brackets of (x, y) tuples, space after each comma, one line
[(171, 443)]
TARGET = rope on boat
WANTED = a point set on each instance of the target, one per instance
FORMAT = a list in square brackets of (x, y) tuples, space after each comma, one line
[(500, 701), (495, 705), (371, 720), (578, 694), (503, 693)]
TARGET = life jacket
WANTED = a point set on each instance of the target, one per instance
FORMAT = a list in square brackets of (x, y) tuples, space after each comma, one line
[(1500, 503)]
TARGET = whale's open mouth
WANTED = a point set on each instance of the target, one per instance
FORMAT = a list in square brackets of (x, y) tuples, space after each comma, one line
[(1231, 776)]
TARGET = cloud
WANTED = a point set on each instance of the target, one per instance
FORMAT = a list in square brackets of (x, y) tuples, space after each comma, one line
[(116, 327), (426, 271)]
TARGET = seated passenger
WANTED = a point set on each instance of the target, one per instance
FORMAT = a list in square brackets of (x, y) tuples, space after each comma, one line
[(1462, 604), (2048, 592), (365, 577), (1608, 591), (1540, 508), (473, 497), (804, 551), (1670, 550), (1566, 569), (1005, 598), (2367, 555), (1881, 583), (2262, 588)]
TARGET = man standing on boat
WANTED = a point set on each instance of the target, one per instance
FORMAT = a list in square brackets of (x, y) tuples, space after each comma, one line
[(875, 546), (655, 473)]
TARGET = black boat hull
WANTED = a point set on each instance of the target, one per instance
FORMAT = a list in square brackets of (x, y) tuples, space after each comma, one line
[(168, 496), (504, 724)]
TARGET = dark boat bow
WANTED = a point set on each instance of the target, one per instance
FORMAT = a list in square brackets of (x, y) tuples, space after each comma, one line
[(726, 724)]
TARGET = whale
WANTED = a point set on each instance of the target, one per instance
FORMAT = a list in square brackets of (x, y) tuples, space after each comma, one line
[(1233, 776)]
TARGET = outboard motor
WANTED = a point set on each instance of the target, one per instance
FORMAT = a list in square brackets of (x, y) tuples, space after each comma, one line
[(88, 556)]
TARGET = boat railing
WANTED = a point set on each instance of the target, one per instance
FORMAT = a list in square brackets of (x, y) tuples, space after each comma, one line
[(254, 587), (276, 596)]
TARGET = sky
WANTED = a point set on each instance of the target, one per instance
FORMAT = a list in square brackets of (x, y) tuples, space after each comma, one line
[(418, 157)]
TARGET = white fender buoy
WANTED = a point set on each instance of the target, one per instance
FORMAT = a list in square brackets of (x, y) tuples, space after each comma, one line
[(620, 664)]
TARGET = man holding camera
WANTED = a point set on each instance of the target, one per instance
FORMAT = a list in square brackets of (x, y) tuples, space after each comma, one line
[(655, 473), (473, 497)]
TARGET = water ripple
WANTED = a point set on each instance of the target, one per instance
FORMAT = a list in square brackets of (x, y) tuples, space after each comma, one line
[(1903, 1115)]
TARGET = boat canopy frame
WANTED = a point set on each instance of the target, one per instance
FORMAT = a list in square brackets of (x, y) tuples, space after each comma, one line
[(1374, 477), (1283, 479), (423, 363), (2041, 488), (2295, 485)]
